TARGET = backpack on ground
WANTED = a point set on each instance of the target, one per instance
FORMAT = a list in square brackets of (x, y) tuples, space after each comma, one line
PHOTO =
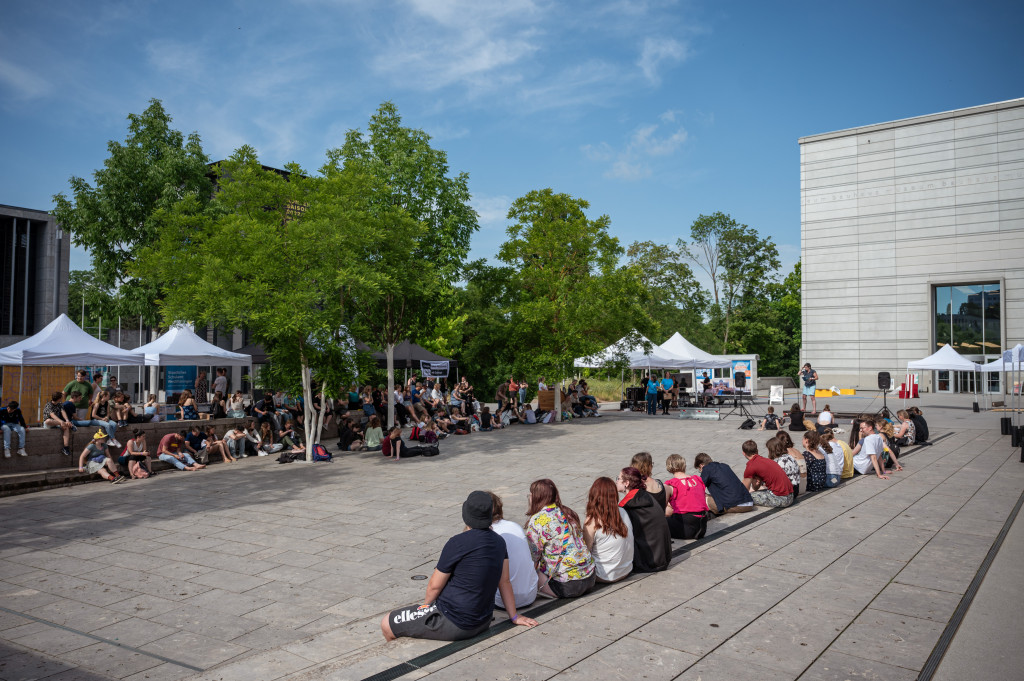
[(320, 453), (429, 436), (416, 434), (747, 425)]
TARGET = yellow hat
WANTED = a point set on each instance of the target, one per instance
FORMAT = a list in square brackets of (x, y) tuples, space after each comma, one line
[(100, 435)]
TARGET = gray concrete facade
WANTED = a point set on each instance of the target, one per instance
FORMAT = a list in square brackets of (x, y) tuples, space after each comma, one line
[(891, 211), (33, 272)]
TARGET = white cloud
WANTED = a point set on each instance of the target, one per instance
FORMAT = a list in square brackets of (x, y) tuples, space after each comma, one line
[(23, 83), (632, 162), (171, 56), (492, 210), (657, 51), (465, 42)]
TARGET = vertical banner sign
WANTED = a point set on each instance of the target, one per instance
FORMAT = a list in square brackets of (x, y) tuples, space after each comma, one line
[(434, 369)]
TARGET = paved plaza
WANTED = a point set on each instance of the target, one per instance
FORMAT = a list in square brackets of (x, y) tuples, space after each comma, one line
[(259, 571)]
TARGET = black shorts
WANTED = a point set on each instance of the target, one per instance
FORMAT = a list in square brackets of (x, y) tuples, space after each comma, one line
[(574, 587), (416, 621), (688, 525)]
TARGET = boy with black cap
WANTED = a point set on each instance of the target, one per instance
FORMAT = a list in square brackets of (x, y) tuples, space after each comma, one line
[(459, 599)]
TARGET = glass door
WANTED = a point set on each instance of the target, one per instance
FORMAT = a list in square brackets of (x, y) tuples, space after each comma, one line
[(942, 383)]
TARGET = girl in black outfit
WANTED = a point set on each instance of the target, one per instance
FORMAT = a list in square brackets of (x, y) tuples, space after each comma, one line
[(652, 549)]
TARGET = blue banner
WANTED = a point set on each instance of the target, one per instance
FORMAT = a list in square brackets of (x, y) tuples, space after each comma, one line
[(177, 379)]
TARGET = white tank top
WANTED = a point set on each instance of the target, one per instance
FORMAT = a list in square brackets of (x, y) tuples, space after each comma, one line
[(613, 556)]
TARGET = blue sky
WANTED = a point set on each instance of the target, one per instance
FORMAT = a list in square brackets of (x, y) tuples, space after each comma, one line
[(653, 111)]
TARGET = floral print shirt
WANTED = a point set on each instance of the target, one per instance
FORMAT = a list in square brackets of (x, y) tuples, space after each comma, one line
[(551, 538), (791, 468)]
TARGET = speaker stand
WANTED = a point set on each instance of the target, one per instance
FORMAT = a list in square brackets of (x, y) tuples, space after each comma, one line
[(740, 408), (884, 411)]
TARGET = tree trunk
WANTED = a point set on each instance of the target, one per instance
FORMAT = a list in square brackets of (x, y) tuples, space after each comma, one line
[(307, 408), (558, 402), (389, 351)]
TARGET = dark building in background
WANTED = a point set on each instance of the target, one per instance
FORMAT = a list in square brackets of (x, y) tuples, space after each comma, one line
[(34, 259)]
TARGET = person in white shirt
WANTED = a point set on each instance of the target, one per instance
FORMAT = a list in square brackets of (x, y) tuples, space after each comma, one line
[(608, 532), (834, 458), (221, 382), (825, 419), (870, 452), (529, 414), (520, 563), (541, 385)]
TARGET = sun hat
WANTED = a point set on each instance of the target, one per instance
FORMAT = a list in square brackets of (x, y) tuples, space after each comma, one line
[(100, 435), (477, 509)]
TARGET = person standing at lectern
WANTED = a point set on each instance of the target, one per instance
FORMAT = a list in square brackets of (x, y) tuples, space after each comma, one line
[(810, 378)]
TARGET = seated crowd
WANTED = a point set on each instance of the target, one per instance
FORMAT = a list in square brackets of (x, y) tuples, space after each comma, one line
[(628, 526)]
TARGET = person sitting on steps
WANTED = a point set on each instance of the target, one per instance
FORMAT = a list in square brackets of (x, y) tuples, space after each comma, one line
[(726, 494)]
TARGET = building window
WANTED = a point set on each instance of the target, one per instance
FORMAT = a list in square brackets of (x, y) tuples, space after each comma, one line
[(967, 317)]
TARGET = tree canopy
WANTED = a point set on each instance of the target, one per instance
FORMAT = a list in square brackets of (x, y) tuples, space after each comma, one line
[(154, 169)]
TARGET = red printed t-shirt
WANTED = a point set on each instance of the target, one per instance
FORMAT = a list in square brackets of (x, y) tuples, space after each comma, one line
[(771, 474), (170, 443), (688, 494)]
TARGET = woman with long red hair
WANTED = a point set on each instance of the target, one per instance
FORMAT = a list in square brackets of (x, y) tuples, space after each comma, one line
[(608, 532), (652, 540), (565, 567)]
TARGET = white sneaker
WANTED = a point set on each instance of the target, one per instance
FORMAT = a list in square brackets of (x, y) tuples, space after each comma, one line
[(22, 452), (113, 442), (7, 453)]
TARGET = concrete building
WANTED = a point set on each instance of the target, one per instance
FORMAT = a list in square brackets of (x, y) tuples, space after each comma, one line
[(34, 260), (912, 237)]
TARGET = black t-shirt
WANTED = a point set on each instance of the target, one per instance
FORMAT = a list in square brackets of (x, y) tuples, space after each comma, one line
[(195, 441), (474, 560), (723, 486)]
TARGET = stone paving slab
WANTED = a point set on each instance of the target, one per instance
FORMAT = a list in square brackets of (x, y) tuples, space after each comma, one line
[(265, 571)]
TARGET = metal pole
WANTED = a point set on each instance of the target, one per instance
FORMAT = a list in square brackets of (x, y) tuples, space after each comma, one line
[(140, 366), (28, 252), (14, 251), (21, 379)]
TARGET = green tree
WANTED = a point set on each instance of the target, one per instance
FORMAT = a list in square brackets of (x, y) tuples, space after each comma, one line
[(739, 263), (769, 326), (90, 304), (114, 219), (677, 302), (428, 220), (278, 254), (574, 296)]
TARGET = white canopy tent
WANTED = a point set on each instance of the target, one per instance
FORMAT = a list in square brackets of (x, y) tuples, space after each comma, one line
[(692, 356), (63, 343), (947, 359), (181, 346), (631, 349), (1011, 362)]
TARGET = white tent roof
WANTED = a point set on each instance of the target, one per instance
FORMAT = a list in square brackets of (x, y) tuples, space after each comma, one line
[(1012, 360), (63, 343), (696, 358), (634, 354), (946, 359), (181, 346)]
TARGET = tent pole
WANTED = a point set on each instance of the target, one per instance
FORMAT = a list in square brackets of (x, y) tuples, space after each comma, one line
[(21, 379)]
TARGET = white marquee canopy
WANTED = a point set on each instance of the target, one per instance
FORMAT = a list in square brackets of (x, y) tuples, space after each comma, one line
[(946, 359), (180, 346), (692, 356), (63, 343)]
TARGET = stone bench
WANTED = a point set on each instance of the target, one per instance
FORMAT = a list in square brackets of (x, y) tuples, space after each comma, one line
[(45, 466)]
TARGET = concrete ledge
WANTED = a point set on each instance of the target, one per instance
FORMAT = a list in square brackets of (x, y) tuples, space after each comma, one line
[(46, 468)]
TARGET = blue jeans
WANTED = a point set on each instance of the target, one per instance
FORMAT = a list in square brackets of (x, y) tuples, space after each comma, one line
[(17, 428), (652, 403), (832, 480), (109, 426), (189, 461)]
